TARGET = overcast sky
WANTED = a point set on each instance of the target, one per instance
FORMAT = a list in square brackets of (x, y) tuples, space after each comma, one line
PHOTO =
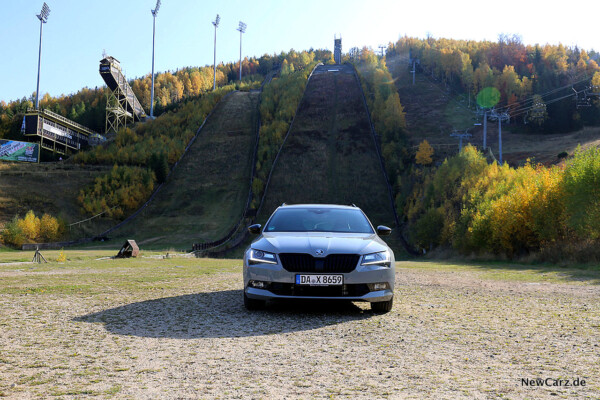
[(78, 31)]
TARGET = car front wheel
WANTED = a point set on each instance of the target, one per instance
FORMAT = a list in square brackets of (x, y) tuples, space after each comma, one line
[(382, 307), (253, 304)]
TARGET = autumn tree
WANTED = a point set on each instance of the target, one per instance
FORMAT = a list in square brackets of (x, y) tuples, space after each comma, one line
[(424, 154), (30, 225), (50, 228)]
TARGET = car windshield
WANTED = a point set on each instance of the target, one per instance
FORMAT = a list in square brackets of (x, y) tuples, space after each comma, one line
[(319, 220)]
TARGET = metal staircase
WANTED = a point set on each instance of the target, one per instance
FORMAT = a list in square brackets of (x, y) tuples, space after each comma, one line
[(122, 106)]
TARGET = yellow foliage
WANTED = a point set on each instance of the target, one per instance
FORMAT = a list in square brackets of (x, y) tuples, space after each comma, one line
[(492, 208), (50, 228), (121, 190), (62, 257), (30, 225), (32, 229), (424, 154)]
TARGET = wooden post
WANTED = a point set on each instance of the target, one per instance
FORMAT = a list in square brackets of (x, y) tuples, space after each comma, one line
[(38, 257)]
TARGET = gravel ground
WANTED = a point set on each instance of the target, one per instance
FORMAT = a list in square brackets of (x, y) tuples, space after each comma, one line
[(452, 334)]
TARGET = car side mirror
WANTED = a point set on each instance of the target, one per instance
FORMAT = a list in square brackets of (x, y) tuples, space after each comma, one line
[(383, 230), (254, 229)]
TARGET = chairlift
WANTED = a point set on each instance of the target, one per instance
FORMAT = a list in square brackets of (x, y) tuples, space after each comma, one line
[(593, 90), (493, 115), (581, 98)]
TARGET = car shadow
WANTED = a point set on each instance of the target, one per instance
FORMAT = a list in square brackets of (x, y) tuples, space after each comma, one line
[(220, 315)]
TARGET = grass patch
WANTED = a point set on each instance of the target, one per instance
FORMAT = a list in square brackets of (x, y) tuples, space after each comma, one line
[(75, 392), (113, 390), (90, 276), (511, 271)]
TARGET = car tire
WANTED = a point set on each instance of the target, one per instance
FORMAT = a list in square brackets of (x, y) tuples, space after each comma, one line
[(382, 307), (253, 304)]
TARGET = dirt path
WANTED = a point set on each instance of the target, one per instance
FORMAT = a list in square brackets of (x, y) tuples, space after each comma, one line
[(452, 334)]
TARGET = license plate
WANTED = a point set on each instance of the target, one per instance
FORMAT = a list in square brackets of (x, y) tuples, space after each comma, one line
[(320, 280)]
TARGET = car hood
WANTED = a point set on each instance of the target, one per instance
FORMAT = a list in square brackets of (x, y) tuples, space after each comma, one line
[(310, 242)]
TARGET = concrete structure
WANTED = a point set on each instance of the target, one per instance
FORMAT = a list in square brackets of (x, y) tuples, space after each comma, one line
[(337, 50)]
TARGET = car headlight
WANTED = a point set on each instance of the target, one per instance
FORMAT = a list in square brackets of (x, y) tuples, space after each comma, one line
[(379, 258), (261, 257)]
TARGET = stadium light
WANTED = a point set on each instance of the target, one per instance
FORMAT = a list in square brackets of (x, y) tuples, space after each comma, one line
[(242, 29), (154, 14), (43, 17), (216, 24)]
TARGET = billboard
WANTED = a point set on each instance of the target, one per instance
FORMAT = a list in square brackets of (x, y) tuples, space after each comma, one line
[(12, 150)]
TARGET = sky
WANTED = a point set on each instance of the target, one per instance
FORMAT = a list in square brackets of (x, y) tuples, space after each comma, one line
[(79, 31)]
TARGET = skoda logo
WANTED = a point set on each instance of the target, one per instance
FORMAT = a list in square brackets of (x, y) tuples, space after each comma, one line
[(319, 252)]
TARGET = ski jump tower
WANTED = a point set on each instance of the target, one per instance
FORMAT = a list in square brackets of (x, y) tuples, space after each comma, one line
[(337, 49), (122, 106)]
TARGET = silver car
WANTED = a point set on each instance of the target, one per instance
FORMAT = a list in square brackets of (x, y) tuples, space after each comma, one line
[(319, 251)]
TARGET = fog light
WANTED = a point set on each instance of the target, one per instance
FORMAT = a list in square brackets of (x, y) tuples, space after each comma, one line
[(257, 284), (379, 286)]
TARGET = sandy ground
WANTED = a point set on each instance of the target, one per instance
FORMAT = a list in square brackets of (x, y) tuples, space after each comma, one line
[(450, 335)]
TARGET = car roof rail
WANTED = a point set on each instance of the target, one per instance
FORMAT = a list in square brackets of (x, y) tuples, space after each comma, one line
[(283, 204), (354, 205)]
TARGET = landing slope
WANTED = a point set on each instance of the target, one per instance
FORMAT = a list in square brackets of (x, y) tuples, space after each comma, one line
[(206, 194), (329, 155)]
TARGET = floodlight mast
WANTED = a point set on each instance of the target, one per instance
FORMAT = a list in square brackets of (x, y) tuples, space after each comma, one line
[(43, 17), (242, 29), (216, 24), (154, 14)]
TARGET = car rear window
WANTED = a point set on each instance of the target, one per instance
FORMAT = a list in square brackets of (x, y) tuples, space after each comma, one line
[(319, 220)]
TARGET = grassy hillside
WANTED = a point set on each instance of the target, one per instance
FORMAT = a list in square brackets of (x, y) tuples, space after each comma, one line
[(329, 156), (48, 188), (206, 194), (432, 112)]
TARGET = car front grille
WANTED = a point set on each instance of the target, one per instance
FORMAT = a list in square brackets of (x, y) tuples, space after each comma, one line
[(333, 263), (290, 289)]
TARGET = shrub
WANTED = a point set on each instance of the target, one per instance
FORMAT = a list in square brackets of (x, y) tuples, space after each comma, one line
[(30, 225), (582, 192), (32, 229), (118, 192), (62, 257), (484, 208), (427, 230), (12, 233), (160, 166), (51, 229)]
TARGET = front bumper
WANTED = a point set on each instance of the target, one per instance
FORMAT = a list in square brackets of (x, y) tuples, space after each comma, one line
[(280, 284), (376, 296)]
